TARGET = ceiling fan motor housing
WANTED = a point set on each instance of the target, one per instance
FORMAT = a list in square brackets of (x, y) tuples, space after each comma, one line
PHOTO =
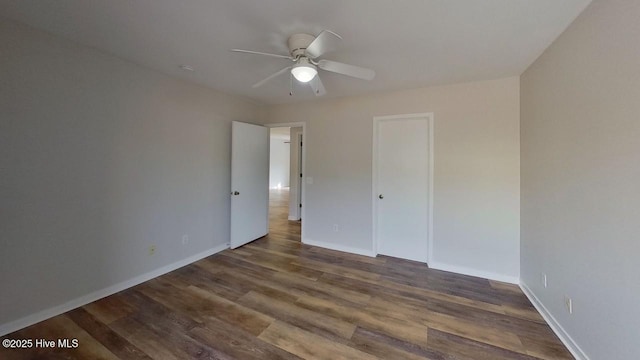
[(298, 43)]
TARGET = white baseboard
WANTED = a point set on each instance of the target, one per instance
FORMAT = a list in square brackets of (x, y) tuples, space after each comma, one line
[(473, 272), (339, 247), (566, 339), (99, 294), (293, 218)]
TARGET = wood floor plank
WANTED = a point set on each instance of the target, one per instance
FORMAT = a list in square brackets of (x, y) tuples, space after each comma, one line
[(390, 287), (195, 275), (308, 345), (145, 339), (115, 343), (470, 330), (493, 321), (348, 256), (301, 317), (511, 288), (59, 327), (240, 265), (238, 344), (168, 326), (388, 347), (109, 309), (545, 346), (157, 314), (336, 269), (290, 288), (401, 329), (530, 313), (329, 292), (471, 323), (280, 264), (462, 348), (233, 312), (267, 286)]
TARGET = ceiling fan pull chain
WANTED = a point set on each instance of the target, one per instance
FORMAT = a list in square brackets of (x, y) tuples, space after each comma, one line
[(290, 84)]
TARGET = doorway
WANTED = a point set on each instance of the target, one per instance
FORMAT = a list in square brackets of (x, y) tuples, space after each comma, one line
[(285, 181), (403, 186)]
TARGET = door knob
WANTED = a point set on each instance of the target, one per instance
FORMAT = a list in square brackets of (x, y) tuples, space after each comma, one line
[(235, 193), (380, 196)]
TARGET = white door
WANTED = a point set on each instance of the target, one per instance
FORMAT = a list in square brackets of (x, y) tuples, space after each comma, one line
[(249, 183), (401, 186)]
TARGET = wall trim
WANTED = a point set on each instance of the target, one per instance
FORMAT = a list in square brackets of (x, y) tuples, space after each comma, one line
[(338, 247), (99, 294), (566, 339), (293, 218), (474, 272)]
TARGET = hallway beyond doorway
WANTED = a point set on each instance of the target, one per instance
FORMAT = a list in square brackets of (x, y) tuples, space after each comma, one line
[(279, 225)]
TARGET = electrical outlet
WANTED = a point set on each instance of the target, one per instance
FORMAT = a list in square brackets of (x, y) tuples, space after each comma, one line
[(152, 250), (336, 228), (543, 279), (185, 239), (568, 303)]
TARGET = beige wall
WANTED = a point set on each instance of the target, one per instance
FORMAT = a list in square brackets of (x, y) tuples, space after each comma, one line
[(581, 179), (100, 159), (476, 175)]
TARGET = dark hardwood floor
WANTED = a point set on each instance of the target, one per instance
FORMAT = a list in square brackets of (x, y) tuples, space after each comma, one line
[(277, 298)]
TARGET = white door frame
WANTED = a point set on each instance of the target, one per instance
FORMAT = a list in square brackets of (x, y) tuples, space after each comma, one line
[(374, 177), (299, 149), (304, 172)]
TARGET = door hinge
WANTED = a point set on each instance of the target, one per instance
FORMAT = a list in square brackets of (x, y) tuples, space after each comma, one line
[(300, 205), (300, 174)]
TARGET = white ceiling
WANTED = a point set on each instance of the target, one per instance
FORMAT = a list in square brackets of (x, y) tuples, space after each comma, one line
[(409, 43)]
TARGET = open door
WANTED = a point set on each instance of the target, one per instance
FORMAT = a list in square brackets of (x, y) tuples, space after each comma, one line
[(249, 183)]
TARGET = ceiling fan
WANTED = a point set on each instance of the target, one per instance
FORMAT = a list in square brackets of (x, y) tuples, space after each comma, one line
[(305, 51)]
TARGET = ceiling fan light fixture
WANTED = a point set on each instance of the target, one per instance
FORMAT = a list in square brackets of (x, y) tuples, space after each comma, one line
[(304, 71)]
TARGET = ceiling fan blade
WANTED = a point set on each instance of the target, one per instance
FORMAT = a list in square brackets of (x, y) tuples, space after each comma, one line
[(325, 42), (346, 69), (262, 53), (317, 86), (261, 82)]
